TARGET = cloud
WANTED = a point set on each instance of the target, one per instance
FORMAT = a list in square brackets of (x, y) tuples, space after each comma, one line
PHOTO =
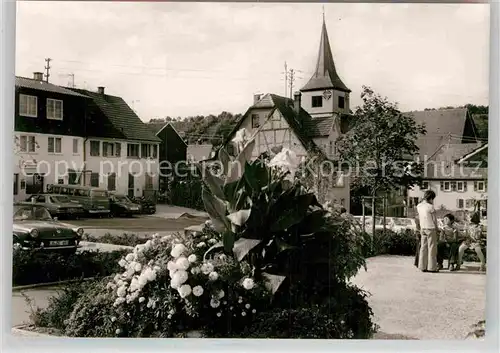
[(183, 59)]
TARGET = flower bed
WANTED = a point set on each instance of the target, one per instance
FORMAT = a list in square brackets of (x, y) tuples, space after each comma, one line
[(34, 267), (270, 255)]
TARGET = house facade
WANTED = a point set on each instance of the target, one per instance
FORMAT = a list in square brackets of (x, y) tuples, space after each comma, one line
[(67, 136), (49, 130), (459, 184), (309, 124)]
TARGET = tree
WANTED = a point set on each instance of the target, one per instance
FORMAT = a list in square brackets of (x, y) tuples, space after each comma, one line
[(380, 146)]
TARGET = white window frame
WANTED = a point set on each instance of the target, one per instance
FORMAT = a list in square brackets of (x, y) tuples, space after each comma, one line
[(447, 188), (460, 186), (424, 187), (75, 146), (483, 188), (29, 101), (138, 145), (463, 204), (91, 142), (108, 151), (28, 144), (51, 113), (54, 144)]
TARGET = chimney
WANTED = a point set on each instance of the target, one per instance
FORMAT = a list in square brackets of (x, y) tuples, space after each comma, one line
[(38, 76), (296, 102), (256, 98), (100, 90)]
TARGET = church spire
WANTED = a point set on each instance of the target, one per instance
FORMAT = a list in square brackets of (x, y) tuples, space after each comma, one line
[(325, 76)]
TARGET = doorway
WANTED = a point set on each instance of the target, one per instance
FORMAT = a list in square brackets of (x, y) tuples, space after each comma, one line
[(131, 185)]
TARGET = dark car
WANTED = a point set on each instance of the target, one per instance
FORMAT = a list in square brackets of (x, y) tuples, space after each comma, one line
[(58, 205), (121, 205), (35, 229), (147, 206)]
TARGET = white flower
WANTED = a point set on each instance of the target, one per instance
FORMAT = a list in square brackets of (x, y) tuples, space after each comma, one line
[(172, 266), (166, 238), (142, 299), (182, 263), (206, 268), (254, 311), (208, 223), (213, 276), (179, 278), (192, 258), (157, 268), (117, 277), (178, 250), (220, 294), (142, 280), (122, 263), (219, 314), (184, 290), (118, 331), (240, 300), (214, 303), (121, 292), (129, 257), (150, 274), (137, 267), (119, 301), (248, 283), (243, 313), (113, 319), (286, 160), (196, 234), (222, 257), (148, 245), (172, 312), (198, 291), (169, 316), (195, 270), (212, 241), (201, 245), (247, 306)]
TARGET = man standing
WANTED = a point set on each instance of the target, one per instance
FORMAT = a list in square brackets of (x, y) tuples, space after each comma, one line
[(427, 259)]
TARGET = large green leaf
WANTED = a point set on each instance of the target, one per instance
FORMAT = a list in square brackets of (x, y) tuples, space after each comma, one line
[(216, 209), (243, 246), (256, 175), (213, 183), (273, 282), (240, 217), (224, 159), (295, 211), (228, 241), (237, 167), (283, 245)]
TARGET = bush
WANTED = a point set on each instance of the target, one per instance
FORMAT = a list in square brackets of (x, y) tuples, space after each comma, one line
[(186, 192), (31, 267), (126, 239)]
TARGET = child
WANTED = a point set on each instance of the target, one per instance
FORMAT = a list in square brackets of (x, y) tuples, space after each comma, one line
[(448, 242), (473, 241)]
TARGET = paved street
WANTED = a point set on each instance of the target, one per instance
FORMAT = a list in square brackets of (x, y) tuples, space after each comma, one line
[(422, 305)]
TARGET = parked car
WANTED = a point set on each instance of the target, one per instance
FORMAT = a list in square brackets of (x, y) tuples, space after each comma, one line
[(58, 205), (147, 206), (95, 201), (402, 224), (35, 229), (121, 205)]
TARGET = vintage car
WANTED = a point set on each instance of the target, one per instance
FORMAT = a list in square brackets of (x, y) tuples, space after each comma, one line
[(58, 205), (122, 205), (35, 229), (147, 206)]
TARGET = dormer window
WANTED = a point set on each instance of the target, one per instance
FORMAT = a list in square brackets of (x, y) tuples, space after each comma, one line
[(341, 102), (316, 101), (54, 109), (255, 121), (28, 105)]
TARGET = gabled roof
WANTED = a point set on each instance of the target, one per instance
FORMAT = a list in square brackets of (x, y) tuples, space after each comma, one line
[(121, 116), (158, 129), (325, 76), (443, 126), (479, 153), (30, 83)]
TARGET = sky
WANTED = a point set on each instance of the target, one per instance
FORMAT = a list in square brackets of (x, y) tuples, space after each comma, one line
[(185, 59)]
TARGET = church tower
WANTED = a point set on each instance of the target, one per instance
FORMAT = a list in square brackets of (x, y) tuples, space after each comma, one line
[(325, 94)]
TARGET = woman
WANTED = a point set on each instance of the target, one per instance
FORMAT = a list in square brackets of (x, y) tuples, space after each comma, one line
[(473, 242), (427, 257)]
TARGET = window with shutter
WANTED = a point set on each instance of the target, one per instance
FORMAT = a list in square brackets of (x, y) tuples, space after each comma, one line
[(118, 149), (94, 180), (441, 185), (475, 186), (453, 186), (460, 203)]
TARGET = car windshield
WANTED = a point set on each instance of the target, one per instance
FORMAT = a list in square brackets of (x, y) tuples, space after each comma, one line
[(61, 199), (402, 222), (31, 213)]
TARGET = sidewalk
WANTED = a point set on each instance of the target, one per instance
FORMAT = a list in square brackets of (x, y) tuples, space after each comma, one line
[(408, 302), (170, 211)]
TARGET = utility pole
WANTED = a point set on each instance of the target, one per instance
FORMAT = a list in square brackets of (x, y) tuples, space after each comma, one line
[(72, 75), (286, 78), (47, 69), (292, 79)]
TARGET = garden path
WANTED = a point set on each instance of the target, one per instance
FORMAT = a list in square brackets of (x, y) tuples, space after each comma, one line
[(420, 305)]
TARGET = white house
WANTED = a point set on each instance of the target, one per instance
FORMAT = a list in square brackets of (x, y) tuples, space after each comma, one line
[(308, 124)]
